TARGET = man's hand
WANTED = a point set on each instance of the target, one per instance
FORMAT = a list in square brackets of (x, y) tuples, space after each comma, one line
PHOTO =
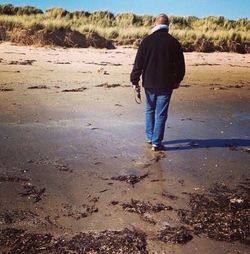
[(137, 88), (138, 93), (176, 85)]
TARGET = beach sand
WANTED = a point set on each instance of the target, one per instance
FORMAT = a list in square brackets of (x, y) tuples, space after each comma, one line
[(61, 151)]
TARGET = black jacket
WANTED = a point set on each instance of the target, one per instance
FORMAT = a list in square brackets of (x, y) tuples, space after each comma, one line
[(160, 60)]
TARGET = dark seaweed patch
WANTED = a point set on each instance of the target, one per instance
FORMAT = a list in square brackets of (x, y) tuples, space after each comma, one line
[(10, 217), (6, 89), (78, 213), (222, 213), (13, 179), (107, 85), (17, 241), (141, 207), (80, 89), (180, 235), (58, 62), (39, 87), (169, 195), (24, 62), (63, 167), (33, 193), (106, 242), (131, 179)]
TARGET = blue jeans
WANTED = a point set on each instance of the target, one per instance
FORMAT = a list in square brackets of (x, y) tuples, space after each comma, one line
[(156, 113)]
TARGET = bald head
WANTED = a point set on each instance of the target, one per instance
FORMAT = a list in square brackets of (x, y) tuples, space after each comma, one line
[(162, 19)]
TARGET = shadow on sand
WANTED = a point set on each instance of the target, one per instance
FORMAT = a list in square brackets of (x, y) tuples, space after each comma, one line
[(187, 144)]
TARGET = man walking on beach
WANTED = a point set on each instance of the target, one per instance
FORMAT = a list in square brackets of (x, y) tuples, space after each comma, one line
[(160, 60)]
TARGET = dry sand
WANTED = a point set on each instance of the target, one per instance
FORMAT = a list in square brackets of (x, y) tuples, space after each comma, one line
[(61, 149)]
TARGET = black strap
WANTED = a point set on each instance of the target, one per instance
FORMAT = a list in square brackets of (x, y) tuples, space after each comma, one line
[(137, 97)]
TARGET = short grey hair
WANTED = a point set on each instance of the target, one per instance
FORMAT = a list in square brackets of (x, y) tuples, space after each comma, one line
[(162, 19)]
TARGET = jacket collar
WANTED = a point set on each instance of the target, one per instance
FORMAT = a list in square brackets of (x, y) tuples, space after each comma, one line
[(159, 27)]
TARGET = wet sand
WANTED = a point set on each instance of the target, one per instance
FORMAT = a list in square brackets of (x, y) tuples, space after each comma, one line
[(61, 151)]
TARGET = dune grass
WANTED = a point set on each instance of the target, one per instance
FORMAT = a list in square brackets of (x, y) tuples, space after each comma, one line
[(124, 25)]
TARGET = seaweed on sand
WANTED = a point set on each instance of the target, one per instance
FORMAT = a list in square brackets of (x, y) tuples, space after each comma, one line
[(222, 213), (33, 193), (131, 179), (141, 207), (39, 87), (10, 217), (80, 89), (180, 235), (106, 85), (125, 241)]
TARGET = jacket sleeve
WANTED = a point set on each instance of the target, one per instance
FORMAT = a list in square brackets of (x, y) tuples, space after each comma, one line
[(138, 66), (179, 63)]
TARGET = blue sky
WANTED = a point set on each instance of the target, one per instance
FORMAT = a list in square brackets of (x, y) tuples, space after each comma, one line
[(233, 9)]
